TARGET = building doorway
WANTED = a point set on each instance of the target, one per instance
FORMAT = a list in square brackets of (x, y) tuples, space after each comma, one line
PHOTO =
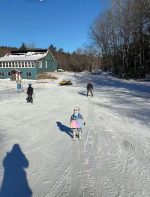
[(15, 75)]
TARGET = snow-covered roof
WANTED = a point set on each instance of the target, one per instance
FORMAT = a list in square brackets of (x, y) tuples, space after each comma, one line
[(24, 55)]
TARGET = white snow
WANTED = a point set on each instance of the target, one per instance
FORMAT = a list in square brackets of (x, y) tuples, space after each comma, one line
[(113, 158), (23, 56)]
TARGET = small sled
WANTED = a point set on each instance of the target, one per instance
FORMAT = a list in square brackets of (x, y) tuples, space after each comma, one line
[(65, 82)]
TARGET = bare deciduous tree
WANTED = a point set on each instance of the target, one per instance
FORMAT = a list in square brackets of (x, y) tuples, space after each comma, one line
[(122, 35)]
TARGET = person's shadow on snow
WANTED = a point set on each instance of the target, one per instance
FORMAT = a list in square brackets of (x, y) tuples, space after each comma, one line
[(15, 182), (65, 129), (82, 93)]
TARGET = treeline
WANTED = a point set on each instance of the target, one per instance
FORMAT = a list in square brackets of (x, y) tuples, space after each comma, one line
[(122, 37), (80, 60), (5, 49), (77, 61)]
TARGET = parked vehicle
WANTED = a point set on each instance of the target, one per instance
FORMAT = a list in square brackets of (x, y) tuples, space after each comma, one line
[(60, 70)]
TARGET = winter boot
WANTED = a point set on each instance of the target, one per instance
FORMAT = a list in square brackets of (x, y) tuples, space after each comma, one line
[(74, 134), (80, 134)]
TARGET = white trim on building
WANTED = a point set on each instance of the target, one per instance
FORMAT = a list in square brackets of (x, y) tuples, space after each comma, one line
[(45, 64), (17, 64)]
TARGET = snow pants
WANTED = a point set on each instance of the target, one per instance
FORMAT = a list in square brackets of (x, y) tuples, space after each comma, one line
[(91, 91), (29, 98)]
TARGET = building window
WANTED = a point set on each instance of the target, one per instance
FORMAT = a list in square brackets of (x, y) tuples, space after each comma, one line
[(9, 73), (30, 64), (0, 64), (28, 74), (1, 73), (45, 64), (40, 64)]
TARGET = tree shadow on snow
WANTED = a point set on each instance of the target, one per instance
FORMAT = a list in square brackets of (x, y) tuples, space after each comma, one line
[(112, 82), (15, 182), (65, 129)]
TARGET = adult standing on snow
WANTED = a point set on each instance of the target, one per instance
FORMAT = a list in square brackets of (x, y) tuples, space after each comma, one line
[(90, 88), (29, 93)]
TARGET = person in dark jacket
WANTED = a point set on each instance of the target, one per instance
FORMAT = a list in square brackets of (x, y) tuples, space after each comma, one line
[(30, 93), (90, 88)]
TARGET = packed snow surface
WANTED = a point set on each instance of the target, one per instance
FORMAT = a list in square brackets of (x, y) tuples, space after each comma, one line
[(38, 156)]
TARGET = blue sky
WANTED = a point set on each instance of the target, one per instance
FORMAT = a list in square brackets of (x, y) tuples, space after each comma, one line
[(63, 23)]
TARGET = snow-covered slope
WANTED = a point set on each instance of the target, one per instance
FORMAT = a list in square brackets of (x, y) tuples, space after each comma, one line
[(38, 157)]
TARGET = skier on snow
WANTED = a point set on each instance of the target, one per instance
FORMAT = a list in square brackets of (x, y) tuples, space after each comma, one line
[(90, 88), (29, 93), (76, 123)]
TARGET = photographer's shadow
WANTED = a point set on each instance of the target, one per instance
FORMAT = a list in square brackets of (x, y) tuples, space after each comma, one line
[(15, 182), (65, 129)]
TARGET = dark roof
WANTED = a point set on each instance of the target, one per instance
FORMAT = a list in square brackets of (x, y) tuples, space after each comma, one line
[(29, 50)]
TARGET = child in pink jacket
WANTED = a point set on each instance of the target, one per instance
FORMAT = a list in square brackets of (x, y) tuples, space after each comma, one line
[(76, 123)]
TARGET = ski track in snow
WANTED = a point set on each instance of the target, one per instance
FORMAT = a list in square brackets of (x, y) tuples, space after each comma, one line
[(111, 160)]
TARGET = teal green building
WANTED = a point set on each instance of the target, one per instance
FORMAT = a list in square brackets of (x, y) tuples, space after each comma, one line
[(26, 64)]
